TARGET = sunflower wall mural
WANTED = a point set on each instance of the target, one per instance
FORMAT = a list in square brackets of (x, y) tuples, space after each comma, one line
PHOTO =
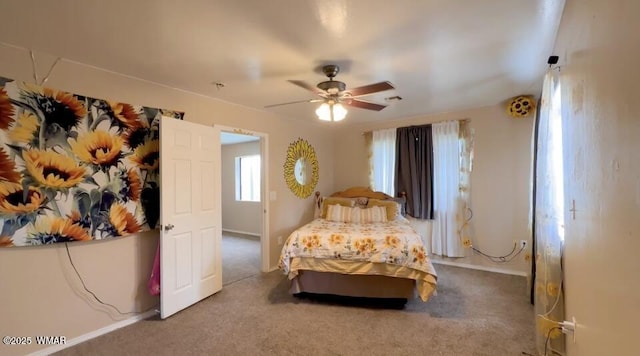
[(74, 168)]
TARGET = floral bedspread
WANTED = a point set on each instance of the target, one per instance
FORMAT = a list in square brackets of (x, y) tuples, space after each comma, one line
[(393, 242)]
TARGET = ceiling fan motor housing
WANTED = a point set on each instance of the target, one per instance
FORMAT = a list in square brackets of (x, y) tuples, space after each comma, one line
[(332, 86)]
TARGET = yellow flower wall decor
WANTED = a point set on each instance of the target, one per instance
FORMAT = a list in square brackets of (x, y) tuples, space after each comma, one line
[(521, 106), (301, 170), (75, 168)]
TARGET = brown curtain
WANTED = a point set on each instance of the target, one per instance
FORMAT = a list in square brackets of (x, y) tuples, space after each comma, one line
[(414, 169)]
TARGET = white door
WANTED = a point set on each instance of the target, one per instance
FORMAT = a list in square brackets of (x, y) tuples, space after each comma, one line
[(190, 261)]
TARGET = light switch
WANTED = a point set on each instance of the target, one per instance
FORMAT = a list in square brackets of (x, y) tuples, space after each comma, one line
[(272, 195)]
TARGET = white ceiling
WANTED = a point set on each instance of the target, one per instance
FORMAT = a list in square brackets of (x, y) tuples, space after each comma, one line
[(441, 55)]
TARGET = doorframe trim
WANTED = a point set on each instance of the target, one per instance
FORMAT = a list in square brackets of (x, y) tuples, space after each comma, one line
[(265, 241)]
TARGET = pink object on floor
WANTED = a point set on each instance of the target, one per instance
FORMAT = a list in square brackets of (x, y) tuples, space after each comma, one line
[(154, 280)]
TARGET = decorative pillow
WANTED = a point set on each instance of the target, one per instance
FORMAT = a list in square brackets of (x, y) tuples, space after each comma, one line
[(372, 215), (391, 207), (355, 215), (402, 203), (334, 201), (339, 213), (361, 202)]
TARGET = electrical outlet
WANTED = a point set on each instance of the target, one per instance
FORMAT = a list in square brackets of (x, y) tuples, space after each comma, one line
[(279, 240), (523, 243), (569, 327)]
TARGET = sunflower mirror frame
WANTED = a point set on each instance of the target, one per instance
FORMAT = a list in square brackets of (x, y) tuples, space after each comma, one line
[(301, 157)]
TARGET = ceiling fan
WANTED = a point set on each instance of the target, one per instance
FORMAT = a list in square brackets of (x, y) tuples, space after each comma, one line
[(333, 92)]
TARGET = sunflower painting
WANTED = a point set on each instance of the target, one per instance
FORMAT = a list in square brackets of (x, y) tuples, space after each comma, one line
[(74, 168)]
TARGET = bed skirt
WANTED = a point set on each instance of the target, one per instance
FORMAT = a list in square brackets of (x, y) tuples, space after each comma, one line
[(371, 286)]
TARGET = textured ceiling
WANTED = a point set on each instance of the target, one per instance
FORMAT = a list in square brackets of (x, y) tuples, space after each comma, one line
[(440, 55)]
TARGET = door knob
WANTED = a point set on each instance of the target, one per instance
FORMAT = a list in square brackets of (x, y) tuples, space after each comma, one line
[(168, 227)]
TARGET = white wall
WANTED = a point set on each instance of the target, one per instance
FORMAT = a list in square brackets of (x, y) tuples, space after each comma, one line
[(499, 181), (39, 295), (599, 53), (238, 216)]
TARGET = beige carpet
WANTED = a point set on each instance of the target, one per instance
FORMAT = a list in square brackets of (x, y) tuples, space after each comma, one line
[(474, 313), (240, 257)]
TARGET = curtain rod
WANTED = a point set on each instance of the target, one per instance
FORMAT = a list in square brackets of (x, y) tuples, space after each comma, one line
[(435, 122)]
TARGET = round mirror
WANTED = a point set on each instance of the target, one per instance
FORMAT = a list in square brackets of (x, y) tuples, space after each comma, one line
[(301, 168)]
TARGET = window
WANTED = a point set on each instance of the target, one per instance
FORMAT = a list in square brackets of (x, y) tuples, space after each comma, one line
[(248, 178), (432, 164), (383, 161)]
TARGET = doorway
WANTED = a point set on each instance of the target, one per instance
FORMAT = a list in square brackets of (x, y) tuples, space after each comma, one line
[(243, 165)]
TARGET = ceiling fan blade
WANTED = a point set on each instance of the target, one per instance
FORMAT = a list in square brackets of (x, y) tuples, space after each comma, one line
[(363, 104), (307, 86), (370, 89), (295, 102)]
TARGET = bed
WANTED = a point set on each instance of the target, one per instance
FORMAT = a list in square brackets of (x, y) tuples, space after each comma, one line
[(358, 245)]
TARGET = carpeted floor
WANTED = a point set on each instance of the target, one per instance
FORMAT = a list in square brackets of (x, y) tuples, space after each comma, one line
[(474, 313), (240, 257)]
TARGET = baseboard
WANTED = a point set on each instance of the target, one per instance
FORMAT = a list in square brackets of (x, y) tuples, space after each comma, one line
[(273, 268), (241, 232), (481, 268), (94, 334)]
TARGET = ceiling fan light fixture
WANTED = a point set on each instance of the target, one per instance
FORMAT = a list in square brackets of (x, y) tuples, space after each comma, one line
[(339, 112), (324, 112), (331, 112)]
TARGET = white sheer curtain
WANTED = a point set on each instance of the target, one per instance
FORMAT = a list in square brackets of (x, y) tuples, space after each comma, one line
[(445, 239), (549, 219), (384, 160)]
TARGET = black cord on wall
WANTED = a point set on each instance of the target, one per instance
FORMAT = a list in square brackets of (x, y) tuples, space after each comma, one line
[(501, 259), (546, 342), (66, 245)]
